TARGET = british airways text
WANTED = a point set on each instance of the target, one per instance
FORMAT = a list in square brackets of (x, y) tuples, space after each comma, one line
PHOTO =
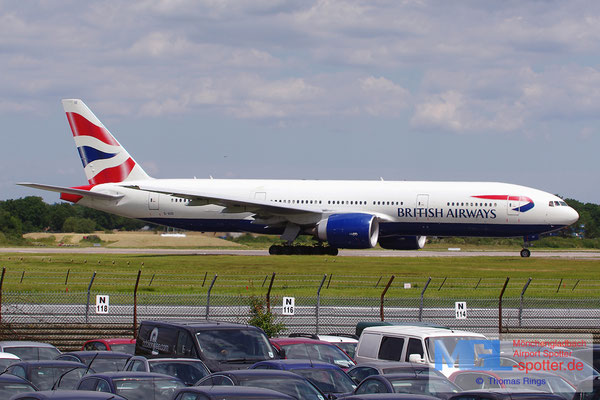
[(450, 213)]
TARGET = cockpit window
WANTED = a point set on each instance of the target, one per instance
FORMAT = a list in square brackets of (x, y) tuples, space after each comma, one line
[(551, 204), (562, 203), (557, 204)]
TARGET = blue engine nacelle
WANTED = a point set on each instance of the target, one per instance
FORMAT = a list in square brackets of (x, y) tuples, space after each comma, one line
[(349, 231), (402, 242)]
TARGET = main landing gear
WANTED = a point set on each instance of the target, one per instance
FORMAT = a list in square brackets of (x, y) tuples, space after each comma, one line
[(287, 250)]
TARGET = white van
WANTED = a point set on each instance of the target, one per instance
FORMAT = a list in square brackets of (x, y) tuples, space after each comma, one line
[(409, 344)]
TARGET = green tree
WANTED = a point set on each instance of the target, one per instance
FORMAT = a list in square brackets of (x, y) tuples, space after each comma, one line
[(264, 319)]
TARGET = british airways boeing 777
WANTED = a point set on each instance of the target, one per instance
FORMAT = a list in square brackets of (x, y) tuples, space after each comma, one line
[(345, 214)]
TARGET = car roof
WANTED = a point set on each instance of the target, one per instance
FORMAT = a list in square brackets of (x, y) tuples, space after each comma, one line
[(49, 363), (390, 396), (112, 340), (10, 378), (420, 331), (172, 359), (392, 364), (195, 324), (7, 355), (342, 339), (70, 394), (24, 343), (101, 354), (258, 372), (129, 374), (406, 375), (298, 364), (297, 340)]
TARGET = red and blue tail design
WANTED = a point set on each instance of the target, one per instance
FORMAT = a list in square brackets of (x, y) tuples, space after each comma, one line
[(104, 159)]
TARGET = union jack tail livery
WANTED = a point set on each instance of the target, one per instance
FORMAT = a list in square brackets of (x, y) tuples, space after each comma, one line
[(104, 159)]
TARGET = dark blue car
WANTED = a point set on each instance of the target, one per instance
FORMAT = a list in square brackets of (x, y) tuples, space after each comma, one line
[(132, 385), (330, 378), (282, 381), (428, 385)]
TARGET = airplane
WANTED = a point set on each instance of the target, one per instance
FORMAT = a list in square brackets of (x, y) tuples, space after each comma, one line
[(348, 214)]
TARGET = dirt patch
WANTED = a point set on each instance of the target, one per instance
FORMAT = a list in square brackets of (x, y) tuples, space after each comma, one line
[(138, 239)]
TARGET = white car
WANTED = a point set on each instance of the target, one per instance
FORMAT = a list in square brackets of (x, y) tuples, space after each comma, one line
[(7, 359)]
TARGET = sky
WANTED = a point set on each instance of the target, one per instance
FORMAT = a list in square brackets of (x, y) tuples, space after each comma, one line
[(505, 91)]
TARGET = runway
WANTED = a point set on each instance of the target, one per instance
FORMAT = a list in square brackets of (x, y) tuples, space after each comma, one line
[(562, 254)]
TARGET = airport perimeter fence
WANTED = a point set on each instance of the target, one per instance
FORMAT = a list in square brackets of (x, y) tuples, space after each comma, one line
[(311, 314)]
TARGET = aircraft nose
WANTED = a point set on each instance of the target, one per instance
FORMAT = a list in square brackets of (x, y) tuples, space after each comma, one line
[(572, 216)]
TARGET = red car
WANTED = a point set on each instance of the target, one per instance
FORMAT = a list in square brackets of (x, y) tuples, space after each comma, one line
[(311, 349), (123, 345)]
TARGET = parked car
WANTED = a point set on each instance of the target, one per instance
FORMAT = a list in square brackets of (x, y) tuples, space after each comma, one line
[(410, 344), (220, 345), (361, 371), (504, 394), (66, 395), (311, 349), (513, 381), (189, 370), (12, 384), (329, 378), (592, 350), (408, 383), (282, 381), (132, 385), (44, 374), (27, 351), (588, 389), (100, 361), (390, 396), (122, 345), (346, 342), (7, 359), (229, 393)]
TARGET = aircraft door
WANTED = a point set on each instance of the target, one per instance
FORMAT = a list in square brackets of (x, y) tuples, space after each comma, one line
[(422, 201), (260, 195), (512, 205), (153, 201)]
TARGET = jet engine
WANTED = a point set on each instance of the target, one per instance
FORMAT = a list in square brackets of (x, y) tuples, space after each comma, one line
[(402, 242), (349, 231)]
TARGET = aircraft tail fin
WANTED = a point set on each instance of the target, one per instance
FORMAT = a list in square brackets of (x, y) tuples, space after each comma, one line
[(104, 159)]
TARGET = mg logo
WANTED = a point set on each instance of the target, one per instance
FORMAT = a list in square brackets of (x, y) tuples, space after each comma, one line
[(468, 354)]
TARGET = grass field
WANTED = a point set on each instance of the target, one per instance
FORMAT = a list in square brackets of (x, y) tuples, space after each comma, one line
[(480, 277)]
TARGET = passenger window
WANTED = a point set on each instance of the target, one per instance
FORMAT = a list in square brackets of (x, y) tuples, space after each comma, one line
[(87, 384), (371, 386), (391, 348), (185, 345), (103, 386), (18, 371), (469, 381), (138, 366), (414, 347)]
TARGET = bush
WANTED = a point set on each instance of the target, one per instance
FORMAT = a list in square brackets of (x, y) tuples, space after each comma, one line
[(79, 225), (264, 319)]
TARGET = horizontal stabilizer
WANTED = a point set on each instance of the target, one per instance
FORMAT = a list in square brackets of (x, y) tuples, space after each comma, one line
[(68, 190)]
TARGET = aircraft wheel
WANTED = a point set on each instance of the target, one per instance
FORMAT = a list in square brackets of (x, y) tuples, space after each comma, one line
[(525, 253)]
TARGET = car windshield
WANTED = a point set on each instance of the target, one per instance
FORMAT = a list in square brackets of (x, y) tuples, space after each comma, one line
[(146, 388), (188, 372), (329, 380), (431, 387), (100, 364), (28, 353), (7, 389), (296, 388), (44, 377), (128, 348), (318, 351), (348, 347), (234, 345)]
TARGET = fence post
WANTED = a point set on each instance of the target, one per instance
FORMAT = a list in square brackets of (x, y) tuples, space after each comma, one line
[(1, 283), (521, 305), (208, 295), (87, 307), (319, 302), (137, 282), (383, 295), (67, 277), (269, 293), (500, 306), (422, 294)]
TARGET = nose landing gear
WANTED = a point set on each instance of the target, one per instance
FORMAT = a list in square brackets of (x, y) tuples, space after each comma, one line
[(525, 252)]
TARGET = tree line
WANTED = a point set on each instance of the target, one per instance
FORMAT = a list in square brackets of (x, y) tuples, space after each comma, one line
[(32, 214)]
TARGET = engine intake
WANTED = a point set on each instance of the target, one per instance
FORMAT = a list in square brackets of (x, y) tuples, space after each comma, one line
[(403, 242), (349, 231)]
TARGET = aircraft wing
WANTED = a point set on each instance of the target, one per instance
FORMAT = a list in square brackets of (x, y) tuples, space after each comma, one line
[(232, 203), (78, 192)]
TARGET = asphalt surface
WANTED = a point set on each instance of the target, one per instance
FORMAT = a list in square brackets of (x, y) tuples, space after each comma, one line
[(589, 255)]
